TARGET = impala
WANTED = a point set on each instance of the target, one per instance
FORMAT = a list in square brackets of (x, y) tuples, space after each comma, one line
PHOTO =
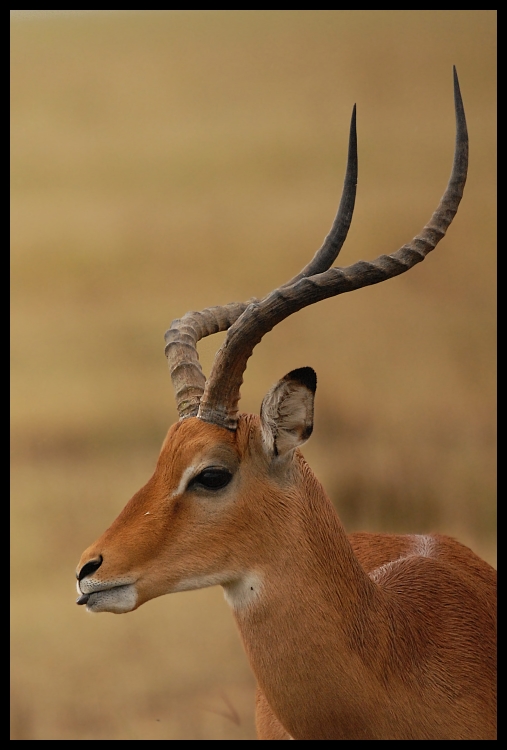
[(360, 636)]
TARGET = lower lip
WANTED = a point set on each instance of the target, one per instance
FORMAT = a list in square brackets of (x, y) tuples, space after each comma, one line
[(83, 599)]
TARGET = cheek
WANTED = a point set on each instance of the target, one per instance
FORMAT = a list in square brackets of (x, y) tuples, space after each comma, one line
[(197, 530), (203, 533)]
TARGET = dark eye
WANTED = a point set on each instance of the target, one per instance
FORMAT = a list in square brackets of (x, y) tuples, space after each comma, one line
[(212, 479)]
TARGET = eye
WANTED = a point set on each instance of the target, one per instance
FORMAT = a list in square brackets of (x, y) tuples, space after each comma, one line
[(212, 479)]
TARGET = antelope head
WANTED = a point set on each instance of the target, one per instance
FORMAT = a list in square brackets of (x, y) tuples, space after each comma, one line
[(216, 510)]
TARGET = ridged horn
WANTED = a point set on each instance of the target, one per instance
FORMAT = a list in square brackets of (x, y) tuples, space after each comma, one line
[(181, 339), (219, 402)]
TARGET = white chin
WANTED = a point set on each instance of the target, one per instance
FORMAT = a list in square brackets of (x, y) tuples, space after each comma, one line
[(119, 599)]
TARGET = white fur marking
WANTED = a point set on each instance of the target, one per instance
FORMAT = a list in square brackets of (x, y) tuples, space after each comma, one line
[(377, 574), (202, 582), (185, 477), (286, 416), (120, 599), (244, 591), (424, 546), (118, 595)]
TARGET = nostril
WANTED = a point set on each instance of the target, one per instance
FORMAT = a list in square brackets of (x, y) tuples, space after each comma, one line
[(89, 567)]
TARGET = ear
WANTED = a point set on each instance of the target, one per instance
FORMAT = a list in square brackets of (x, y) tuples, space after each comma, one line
[(287, 411)]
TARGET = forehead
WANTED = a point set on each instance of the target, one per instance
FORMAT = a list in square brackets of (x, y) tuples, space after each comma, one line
[(193, 441)]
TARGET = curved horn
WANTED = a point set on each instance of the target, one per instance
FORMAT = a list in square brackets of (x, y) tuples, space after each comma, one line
[(181, 339), (333, 243), (181, 351), (219, 403)]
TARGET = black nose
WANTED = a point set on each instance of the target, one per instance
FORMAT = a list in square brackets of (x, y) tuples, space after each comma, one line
[(89, 567)]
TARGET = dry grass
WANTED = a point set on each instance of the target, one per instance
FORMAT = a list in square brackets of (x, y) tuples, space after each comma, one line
[(166, 161)]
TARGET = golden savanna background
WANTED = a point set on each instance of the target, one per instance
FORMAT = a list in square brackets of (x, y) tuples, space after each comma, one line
[(167, 161)]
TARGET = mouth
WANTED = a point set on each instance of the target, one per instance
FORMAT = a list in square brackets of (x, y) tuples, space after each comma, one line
[(117, 599)]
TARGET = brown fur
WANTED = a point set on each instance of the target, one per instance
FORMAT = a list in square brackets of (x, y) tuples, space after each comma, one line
[(368, 637), (372, 636)]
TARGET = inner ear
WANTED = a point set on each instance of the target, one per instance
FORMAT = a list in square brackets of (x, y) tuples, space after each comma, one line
[(287, 411)]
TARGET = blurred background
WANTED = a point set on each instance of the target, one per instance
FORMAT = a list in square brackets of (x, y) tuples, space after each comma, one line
[(168, 161)]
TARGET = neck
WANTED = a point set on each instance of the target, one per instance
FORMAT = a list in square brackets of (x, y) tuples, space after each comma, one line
[(309, 621)]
